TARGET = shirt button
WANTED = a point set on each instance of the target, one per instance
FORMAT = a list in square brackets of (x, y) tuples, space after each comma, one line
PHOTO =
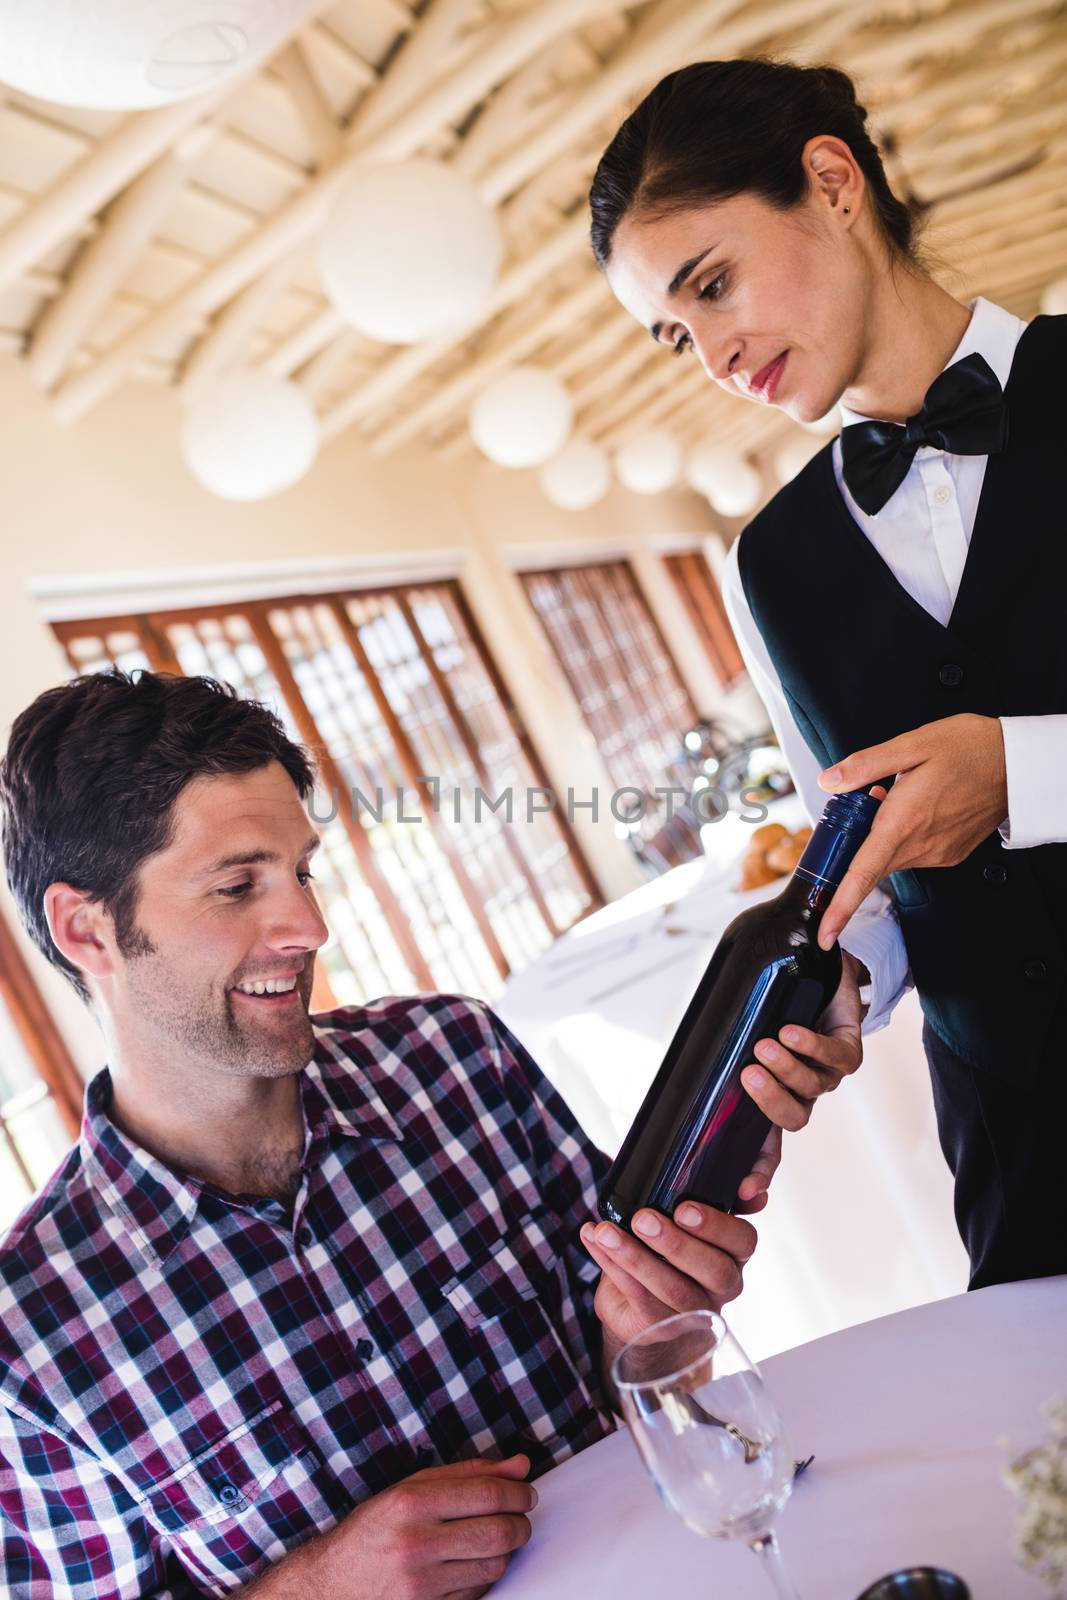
[(942, 495), (364, 1350), (1035, 971), (995, 874), (951, 675), (228, 1493), (305, 1238)]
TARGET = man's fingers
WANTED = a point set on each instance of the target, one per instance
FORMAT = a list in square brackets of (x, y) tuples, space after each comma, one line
[(477, 1538), (455, 1498), (646, 1304), (516, 1466), (683, 1282), (717, 1228), (752, 1191)]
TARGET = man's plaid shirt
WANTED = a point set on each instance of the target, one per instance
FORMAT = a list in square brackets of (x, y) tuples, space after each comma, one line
[(193, 1383)]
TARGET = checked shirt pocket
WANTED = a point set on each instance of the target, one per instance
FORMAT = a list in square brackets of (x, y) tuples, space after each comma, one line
[(240, 1505), (515, 1303)]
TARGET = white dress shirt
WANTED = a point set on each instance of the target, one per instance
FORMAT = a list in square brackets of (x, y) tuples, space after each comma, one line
[(922, 533)]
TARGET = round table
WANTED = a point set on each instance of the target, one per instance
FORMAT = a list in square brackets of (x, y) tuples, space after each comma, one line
[(912, 1419)]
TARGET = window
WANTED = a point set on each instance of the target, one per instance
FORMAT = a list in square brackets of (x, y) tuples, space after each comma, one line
[(423, 883), (699, 590), (626, 682), (40, 1090)]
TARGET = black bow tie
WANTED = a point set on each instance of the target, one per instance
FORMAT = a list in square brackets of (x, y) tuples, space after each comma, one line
[(964, 413)]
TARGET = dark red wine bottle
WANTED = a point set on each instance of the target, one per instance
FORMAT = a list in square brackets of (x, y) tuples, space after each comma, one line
[(698, 1132)]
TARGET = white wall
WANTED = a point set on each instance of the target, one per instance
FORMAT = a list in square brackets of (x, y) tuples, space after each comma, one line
[(110, 497)]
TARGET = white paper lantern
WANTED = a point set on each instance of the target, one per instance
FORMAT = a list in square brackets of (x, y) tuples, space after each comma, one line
[(578, 477), (708, 465), (523, 418), (408, 251), (738, 493), (130, 54), (741, 495), (650, 462), (250, 435), (731, 484), (1054, 298), (796, 451)]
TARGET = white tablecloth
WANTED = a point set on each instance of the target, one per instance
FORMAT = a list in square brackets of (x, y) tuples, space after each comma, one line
[(912, 1419), (860, 1218)]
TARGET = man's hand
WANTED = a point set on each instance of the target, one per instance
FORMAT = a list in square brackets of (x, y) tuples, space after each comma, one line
[(693, 1263), (797, 1068), (951, 792), (443, 1531)]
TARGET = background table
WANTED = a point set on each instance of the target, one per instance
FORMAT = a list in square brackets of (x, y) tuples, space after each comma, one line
[(912, 1419), (860, 1218)]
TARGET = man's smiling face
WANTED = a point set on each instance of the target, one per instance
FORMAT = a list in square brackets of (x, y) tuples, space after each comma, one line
[(228, 905)]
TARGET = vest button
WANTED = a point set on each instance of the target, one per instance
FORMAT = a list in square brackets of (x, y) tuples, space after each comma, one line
[(1035, 971), (951, 675), (995, 874)]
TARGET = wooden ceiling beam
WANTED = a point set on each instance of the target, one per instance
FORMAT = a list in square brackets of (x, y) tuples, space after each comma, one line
[(113, 163), (299, 217), (457, 391), (963, 88), (308, 340), (664, 38), (396, 373), (311, 105), (413, 67), (104, 262), (496, 123), (230, 331), (116, 161), (234, 324), (949, 31), (321, 369)]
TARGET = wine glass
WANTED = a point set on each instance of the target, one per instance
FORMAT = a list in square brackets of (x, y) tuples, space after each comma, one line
[(709, 1433)]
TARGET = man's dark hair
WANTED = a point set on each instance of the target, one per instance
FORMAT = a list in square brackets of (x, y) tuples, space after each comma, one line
[(91, 774)]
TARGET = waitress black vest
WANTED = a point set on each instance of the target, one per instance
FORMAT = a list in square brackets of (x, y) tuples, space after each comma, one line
[(860, 661)]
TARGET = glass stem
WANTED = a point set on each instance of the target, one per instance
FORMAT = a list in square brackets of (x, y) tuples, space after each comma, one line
[(769, 1552)]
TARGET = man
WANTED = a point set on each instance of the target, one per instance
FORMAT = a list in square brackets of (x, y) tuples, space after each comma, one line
[(306, 1303)]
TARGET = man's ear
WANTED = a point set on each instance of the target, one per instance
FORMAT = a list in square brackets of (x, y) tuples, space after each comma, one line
[(78, 927)]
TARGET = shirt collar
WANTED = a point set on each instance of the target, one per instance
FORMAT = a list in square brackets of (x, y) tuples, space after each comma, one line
[(157, 1203), (992, 332)]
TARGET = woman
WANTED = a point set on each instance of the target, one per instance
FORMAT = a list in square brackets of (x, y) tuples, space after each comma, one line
[(902, 603)]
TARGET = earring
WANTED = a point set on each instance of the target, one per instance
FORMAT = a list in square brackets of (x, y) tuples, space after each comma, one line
[(846, 209)]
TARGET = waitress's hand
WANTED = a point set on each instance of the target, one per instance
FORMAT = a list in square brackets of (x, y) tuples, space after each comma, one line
[(792, 1071), (951, 793)]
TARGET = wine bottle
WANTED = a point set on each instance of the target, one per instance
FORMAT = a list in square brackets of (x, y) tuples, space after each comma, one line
[(698, 1132)]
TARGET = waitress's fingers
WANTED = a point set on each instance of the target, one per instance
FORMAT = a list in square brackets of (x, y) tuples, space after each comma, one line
[(879, 854)]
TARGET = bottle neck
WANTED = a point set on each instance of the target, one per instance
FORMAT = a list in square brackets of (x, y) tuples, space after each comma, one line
[(809, 897), (828, 854)]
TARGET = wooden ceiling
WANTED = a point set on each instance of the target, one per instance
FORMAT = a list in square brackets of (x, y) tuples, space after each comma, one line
[(177, 243)]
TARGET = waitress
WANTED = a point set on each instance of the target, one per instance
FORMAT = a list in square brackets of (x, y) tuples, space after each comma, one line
[(901, 604)]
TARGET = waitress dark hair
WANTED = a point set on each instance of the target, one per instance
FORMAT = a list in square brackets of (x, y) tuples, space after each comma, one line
[(716, 129)]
